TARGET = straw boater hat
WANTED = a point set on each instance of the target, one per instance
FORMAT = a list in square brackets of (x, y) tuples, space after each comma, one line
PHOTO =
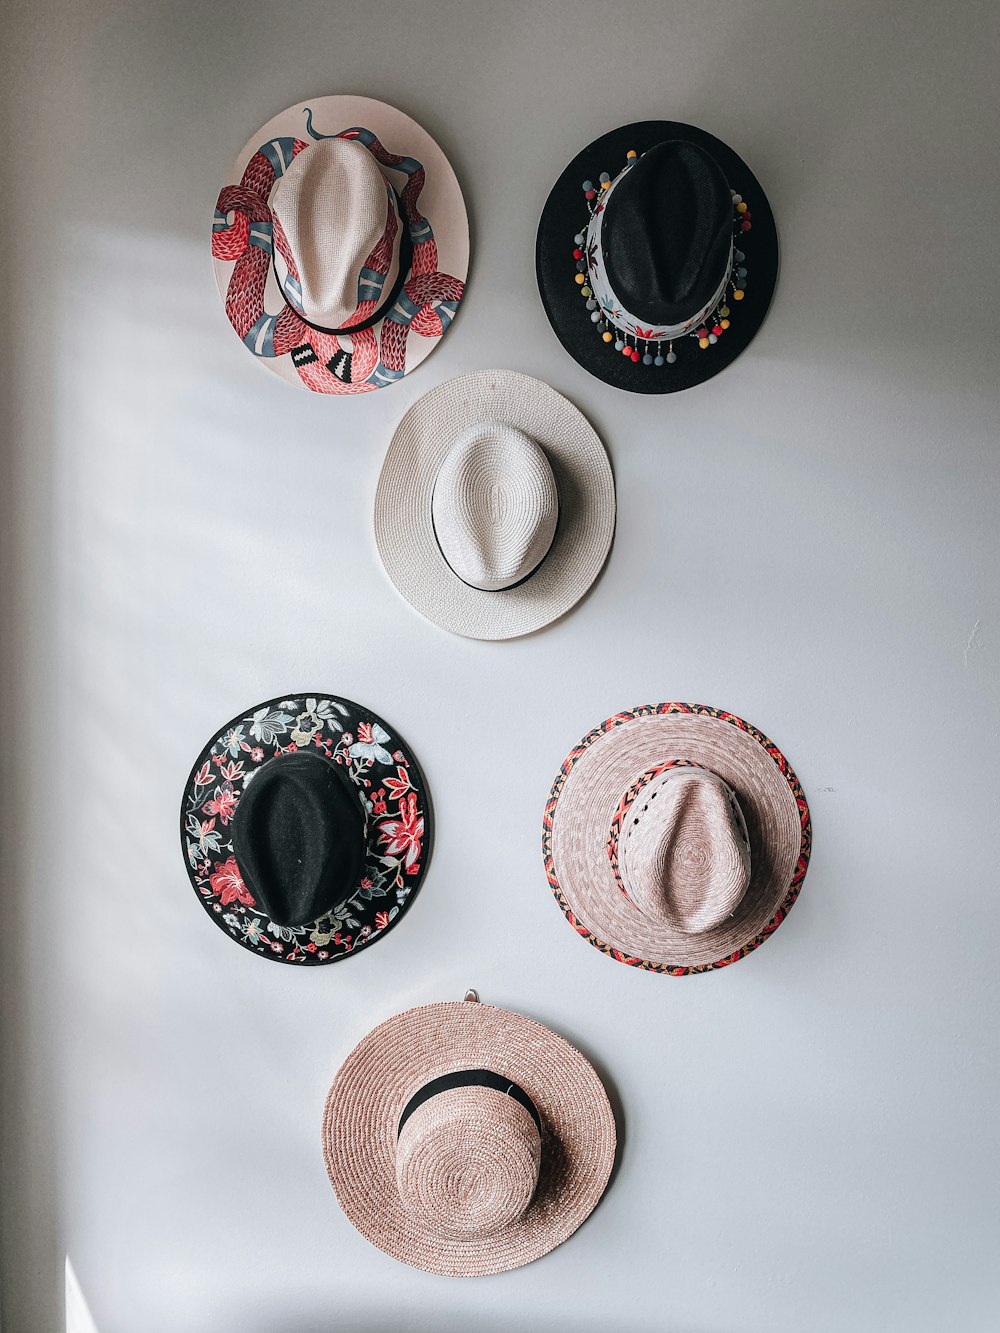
[(495, 509), (465, 1139), (306, 828), (676, 838), (656, 256), (341, 244)]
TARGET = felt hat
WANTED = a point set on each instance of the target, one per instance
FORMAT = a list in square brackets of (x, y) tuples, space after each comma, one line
[(676, 838), (306, 828), (465, 1139), (495, 508), (341, 244), (656, 256)]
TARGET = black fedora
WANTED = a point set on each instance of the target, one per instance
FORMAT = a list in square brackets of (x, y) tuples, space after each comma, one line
[(656, 256), (306, 828)]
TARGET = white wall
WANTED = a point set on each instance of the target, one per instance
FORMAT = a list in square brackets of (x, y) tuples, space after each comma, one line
[(808, 540)]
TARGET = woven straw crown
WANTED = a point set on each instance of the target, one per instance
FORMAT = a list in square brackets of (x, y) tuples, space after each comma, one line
[(333, 203), (467, 1162), (699, 886), (466, 511), (684, 854), (495, 506)]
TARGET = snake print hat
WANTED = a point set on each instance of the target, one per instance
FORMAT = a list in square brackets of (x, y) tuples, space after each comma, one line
[(341, 244)]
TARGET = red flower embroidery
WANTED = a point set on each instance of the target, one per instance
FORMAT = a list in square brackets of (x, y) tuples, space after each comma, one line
[(381, 920), (227, 882), (223, 803), (398, 785), (403, 836)]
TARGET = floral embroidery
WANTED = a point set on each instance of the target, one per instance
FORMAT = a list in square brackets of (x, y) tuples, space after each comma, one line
[(370, 744), (223, 803), (404, 835), (390, 784), (227, 882)]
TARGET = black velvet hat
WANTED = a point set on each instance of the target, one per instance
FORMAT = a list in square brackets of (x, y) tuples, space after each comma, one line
[(306, 828), (656, 257)]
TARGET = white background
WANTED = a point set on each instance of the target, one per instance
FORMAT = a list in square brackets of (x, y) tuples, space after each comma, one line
[(808, 1138)]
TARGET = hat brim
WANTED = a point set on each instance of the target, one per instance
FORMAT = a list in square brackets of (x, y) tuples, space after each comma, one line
[(434, 296), (399, 825), (586, 795), (565, 214), (383, 1072), (405, 532)]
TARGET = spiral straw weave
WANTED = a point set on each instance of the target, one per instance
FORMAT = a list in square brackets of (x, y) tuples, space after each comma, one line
[(428, 1201)]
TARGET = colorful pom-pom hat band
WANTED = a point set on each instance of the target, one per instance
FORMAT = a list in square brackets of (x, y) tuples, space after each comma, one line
[(466, 1140), (661, 179), (495, 508), (604, 792), (341, 244), (382, 845)]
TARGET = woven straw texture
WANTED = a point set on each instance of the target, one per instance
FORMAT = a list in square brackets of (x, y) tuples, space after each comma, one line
[(495, 506), (403, 523), (367, 1167), (684, 856), (331, 203), (587, 797)]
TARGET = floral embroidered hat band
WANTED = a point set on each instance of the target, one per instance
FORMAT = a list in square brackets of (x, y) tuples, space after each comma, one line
[(306, 828), (656, 257)]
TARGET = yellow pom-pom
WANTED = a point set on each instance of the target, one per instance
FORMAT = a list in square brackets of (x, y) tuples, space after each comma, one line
[(741, 208), (605, 185), (702, 342), (724, 324), (581, 278), (607, 336), (737, 296), (631, 153)]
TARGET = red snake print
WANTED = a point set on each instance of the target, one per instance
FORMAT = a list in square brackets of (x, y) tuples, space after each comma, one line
[(426, 287)]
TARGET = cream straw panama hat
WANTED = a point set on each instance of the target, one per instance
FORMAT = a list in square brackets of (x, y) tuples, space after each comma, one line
[(465, 1139), (495, 509), (341, 244), (676, 838)]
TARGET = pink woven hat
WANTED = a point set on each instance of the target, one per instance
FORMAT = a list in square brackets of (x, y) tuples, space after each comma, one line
[(465, 1140), (676, 838), (341, 244)]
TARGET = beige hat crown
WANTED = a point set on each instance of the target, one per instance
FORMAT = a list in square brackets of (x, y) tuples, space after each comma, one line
[(684, 852), (333, 204), (467, 1162), (495, 506)]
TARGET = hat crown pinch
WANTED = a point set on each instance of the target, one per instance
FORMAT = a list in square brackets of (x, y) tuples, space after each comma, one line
[(685, 854), (331, 202), (495, 506), (467, 1162)]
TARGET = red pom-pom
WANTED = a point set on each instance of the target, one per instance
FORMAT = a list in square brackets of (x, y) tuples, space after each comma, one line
[(590, 194), (626, 350), (703, 333), (577, 253), (635, 355), (744, 226), (716, 329)]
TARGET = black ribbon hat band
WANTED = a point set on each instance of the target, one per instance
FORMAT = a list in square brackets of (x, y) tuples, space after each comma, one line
[(468, 1078)]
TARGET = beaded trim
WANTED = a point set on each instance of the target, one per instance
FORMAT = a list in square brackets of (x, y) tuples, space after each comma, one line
[(616, 325)]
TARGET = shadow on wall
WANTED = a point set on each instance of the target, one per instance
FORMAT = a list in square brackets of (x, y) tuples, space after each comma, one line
[(471, 1322)]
